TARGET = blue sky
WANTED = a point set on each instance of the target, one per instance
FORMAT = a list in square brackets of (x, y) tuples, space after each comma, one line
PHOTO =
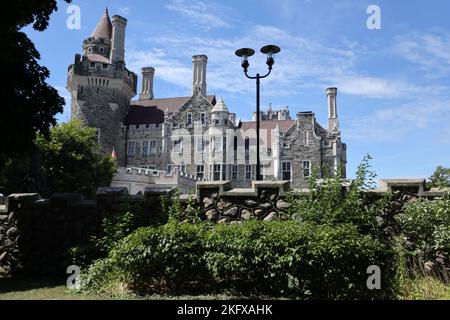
[(394, 83)]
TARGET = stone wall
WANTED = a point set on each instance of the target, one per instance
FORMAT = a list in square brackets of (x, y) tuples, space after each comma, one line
[(265, 201), (36, 234)]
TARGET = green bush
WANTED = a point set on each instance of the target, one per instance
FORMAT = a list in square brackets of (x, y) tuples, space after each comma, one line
[(329, 202), (425, 229), (294, 259)]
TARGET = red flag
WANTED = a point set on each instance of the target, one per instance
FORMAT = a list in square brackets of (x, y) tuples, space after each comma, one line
[(113, 154)]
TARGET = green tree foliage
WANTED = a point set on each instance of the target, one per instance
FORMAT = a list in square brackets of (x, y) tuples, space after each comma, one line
[(73, 161), (440, 178), (70, 160), (29, 104), (331, 202)]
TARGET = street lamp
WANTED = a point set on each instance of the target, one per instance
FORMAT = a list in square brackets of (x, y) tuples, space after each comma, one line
[(244, 54)]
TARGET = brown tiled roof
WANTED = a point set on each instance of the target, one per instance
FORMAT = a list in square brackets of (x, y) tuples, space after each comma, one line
[(103, 28), (148, 112), (170, 104), (269, 126), (144, 115), (98, 58)]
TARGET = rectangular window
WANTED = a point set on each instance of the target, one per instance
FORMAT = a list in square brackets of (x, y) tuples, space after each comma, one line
[(189, 120), (92, 65), (145, 148), (286, 145), (201, 172), (183, 168), (105, 66), (131, 148), (307, 169), (153, 147), (169, 168), (200, 145), (97, 135), (217, 172), (235, 173), (306, 138), (203, 119), (178, 145), (218, 144), (286, 171), (248, 172)]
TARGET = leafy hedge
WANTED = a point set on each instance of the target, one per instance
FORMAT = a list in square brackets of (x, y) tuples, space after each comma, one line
[(425, 231), (295, 259)]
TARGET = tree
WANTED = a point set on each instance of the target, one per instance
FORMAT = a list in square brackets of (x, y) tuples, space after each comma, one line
[(70, 160), (440, 178), (73, 161), (29, 104)]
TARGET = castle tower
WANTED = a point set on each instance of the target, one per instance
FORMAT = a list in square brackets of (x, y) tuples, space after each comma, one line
[(199, 74), (100, 85), (333, 120)]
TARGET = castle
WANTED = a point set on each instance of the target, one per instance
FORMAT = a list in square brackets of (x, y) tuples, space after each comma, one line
[(196, 135)]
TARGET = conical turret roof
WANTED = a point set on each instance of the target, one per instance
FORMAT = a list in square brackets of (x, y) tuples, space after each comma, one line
[(104, 27)]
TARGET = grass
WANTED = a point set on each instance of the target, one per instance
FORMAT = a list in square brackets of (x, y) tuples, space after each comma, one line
[(425, 288)]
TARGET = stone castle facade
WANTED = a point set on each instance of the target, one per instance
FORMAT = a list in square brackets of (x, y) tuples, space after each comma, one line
[(196, 135)]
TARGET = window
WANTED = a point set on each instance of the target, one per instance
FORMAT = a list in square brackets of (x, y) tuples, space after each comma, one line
[(131, 148), (178, 146), (216, 144), (92, 65), (183, 168), (145, 148), (224, 145), (169, 168), (101, 50), (286, 145), (306, 169), (90, 50), (217, 172), (201, 172), (248, 172), (97, 134), (306, 138), (105, 66), (189, 120), (234, 173), (203, 119), (286, 171), (153, 147), (200, 145), (247, 149)]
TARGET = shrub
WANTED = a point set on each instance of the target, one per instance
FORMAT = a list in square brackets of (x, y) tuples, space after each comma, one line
[(425, 231), (295, 259)]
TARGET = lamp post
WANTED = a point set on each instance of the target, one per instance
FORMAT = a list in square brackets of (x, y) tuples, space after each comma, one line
[(244, 54)]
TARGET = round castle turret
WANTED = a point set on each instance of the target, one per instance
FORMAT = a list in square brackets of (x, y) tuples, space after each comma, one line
[(100, 85)]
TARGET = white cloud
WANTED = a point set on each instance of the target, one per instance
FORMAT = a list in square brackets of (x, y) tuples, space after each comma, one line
[(124, 11), (201, 13), (430, 51), (421, 118)]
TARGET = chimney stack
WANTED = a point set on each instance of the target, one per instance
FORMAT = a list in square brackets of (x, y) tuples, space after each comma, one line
[(333, 120), (199, 74), (119, 25), (148, 75)]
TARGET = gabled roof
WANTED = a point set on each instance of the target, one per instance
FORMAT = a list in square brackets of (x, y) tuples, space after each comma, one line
[(172, 105), (103, 28), (269, 126)]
